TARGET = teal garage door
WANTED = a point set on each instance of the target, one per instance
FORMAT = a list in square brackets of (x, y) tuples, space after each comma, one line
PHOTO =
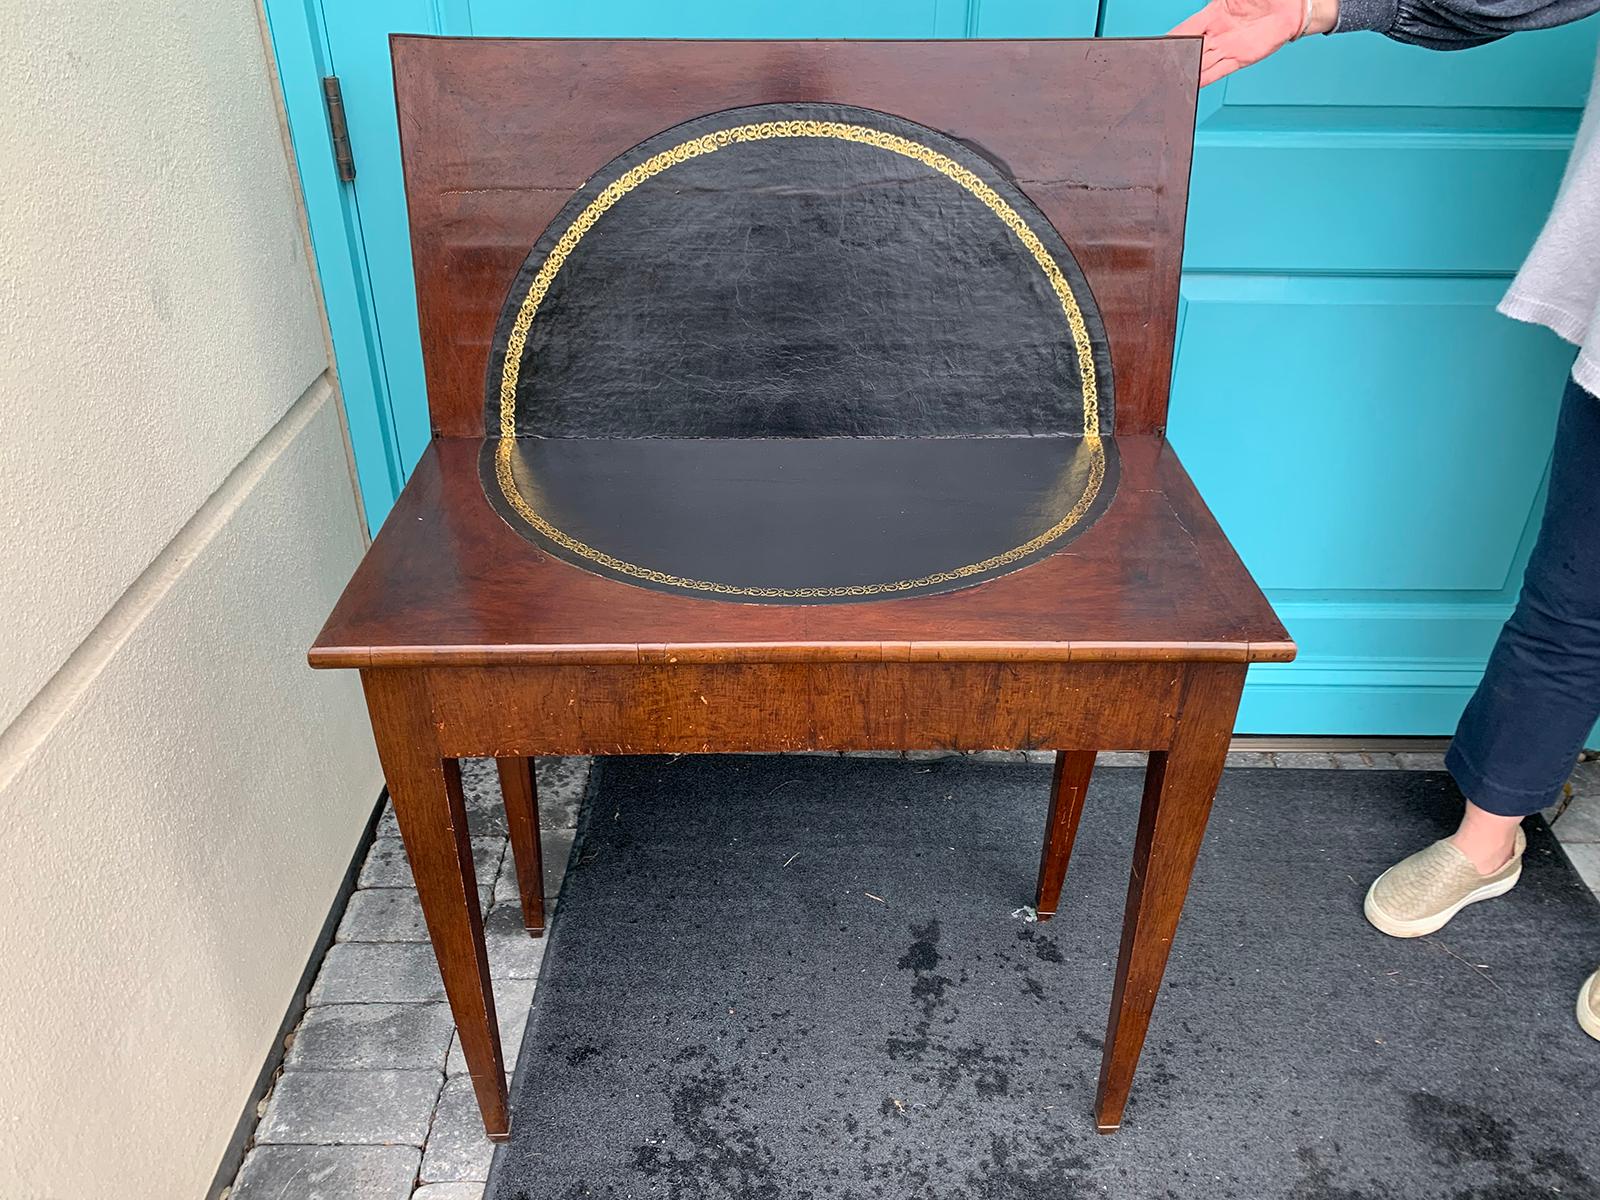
[(1371, 435)]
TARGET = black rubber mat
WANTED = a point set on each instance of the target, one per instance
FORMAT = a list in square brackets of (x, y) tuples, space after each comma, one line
[(805, 977)]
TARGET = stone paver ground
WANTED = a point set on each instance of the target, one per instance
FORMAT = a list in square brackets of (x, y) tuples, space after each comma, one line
[(373, 1102)]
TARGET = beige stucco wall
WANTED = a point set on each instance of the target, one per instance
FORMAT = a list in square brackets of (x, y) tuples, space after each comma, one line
[(179, 794)]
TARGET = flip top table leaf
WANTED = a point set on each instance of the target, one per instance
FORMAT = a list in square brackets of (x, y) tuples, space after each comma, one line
[(798, 395)]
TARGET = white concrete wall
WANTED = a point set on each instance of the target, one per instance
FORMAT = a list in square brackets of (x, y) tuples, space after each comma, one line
[(179, 794)]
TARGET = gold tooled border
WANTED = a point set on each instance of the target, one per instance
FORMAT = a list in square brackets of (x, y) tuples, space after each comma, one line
[(516, 343)]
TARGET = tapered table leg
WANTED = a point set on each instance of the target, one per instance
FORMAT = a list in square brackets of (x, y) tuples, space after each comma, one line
[(1178, 789), (521, 794), (428, 805), (1068, 786)]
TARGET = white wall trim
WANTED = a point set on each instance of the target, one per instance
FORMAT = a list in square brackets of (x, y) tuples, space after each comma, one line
[(39, 717)]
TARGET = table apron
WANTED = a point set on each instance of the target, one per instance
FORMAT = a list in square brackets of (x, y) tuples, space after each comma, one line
[(686, 708)]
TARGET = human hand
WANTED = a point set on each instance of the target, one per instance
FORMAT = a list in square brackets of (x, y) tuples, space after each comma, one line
[(1240, 32)]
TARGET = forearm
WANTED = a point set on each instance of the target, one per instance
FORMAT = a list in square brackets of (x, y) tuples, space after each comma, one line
[(1457, 24), (1237, 33)]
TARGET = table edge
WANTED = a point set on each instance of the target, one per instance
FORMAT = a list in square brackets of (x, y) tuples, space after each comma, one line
[(326, 657)]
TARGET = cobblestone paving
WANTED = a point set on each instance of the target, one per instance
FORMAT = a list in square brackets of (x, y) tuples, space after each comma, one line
[(373, 1102)]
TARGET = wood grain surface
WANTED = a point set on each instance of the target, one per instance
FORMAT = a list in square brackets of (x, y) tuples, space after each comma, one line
[(448, 581)]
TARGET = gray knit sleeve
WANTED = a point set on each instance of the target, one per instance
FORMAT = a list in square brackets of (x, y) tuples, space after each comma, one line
[(1457, 24)]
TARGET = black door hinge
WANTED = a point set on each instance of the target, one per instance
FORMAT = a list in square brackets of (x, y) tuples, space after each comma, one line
[(339, 128)]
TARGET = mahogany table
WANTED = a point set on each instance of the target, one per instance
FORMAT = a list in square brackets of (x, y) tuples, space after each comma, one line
[(824, 413)]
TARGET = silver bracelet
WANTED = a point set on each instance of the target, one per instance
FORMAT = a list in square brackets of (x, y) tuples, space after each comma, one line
[(1305, 25)]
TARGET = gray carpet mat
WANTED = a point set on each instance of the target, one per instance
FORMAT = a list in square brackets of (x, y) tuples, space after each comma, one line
[(801, 978)]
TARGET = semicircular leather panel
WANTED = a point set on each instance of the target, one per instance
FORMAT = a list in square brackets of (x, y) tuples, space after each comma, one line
[(799, 270), (800, 354)]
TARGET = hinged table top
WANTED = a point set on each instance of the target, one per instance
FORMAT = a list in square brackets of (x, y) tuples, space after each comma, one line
[(448, 581)]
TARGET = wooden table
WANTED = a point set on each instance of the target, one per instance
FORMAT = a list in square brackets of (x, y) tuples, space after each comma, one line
[(482, 634)]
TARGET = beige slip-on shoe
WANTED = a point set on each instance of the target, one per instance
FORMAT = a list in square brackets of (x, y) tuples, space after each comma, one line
[(1420, 894), (1589, 1006)]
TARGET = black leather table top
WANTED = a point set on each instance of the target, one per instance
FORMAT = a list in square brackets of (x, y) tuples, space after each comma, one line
[(800, 353), (802, 520)]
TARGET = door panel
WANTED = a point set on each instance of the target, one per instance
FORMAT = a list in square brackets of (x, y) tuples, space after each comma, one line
[(361, 60), (1394, 203), (1370, 433), (1356, 422), (1028, 18)]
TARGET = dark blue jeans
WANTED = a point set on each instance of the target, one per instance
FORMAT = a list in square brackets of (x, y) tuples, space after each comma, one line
[(1540, 697)]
